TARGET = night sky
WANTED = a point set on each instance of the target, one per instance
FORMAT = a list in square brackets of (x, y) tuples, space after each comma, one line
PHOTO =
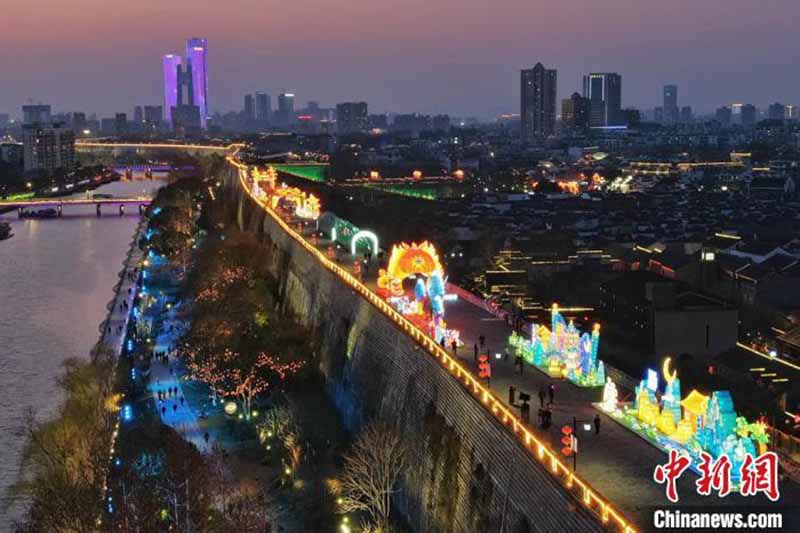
[(455, 56)]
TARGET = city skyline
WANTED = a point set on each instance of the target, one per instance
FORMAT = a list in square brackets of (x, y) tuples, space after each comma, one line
[(468, 63)]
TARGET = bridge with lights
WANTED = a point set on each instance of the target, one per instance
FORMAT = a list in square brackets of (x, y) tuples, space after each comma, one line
[(24, 207)]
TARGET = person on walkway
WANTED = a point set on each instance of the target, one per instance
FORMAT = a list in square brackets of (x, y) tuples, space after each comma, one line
[(596, 424), (512, 395), (476, 352), (443, 343), (181, 401), (454, 346), (541, 396), (520, 364), (163, 411), (551, 392), (482, 340), (174, 408), (206, 437), (505, 355)]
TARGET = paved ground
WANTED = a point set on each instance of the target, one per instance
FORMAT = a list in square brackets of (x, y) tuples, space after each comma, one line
[(617, 462)]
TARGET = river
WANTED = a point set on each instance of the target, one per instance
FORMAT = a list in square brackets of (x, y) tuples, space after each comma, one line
[(56, 278)]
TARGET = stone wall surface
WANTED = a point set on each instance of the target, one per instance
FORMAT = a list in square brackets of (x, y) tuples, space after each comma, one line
[(468, 472)]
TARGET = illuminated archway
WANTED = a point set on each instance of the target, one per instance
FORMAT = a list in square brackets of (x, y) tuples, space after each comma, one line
[(364, 234)]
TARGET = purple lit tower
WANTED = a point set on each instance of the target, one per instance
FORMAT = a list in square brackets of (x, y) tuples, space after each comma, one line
[(196, 50), (172, 65)]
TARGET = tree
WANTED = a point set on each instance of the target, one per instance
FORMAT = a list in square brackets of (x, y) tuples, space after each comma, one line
[(371, 471)]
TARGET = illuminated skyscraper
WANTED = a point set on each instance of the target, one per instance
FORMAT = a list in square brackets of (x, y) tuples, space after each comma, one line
[(196, 51), (537, 102), (172, 66), (284, 116), (604, 91)]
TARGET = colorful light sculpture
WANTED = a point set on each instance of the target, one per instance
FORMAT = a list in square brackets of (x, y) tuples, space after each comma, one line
[(695, 424), (563, 351)]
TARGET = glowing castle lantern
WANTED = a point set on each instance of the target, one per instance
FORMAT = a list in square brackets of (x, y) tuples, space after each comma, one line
[(459, 174), (374, 175), (417, 174)]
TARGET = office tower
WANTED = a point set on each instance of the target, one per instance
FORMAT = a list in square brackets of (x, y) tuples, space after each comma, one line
[(723, 116), (670, 104), (351, 117), (575, 112), (263, 108), (249, 109), (48, 147), (120, 124), (441, 123), (748, 115), (4, 119), (12, 153), (604, 91), (792, 112), (36, 114), (284, 116), (78, 122), (172, 69), (537, 102), (658, 114), (686, 114), (777, 111), (138, 114), (196, 53)]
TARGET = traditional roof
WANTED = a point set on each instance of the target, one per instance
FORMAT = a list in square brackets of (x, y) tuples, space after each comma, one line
[(696, 403)]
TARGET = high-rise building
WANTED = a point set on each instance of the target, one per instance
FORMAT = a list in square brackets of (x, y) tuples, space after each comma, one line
[(79, 122), (153, 114), (36, 114), (686, 114), (138, 114), (48, 147), (172, 70), (249, 109), (748, 112), (196, 53), (537, 102), (575, 112), (670, 104), (263, 108), (658, 114), (120, 124), (186, 121), (284, 116), (792, 112), (378, 122), (723, 116), (604, 91), (351, 117), (777, 111)]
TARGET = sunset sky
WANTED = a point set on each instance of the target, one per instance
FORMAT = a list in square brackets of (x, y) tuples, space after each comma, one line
[(456, 56)]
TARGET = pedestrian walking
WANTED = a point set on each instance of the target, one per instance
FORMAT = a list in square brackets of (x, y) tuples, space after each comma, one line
[(206, 436), (505, 355), (596, 424), (454, 346), (476, 351), (512, 395), (181, 401), (541, 396), (443, 343), (174, 408), (164, 411), (482, 340), (520, 364), (551, 392)]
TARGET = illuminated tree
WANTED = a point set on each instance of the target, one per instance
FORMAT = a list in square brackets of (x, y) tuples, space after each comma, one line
[(371, 471)]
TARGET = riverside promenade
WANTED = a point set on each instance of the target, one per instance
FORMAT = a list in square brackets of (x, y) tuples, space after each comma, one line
[(114, 327)]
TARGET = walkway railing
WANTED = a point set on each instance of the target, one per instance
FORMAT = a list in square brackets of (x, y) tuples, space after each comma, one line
[(581, 489)]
